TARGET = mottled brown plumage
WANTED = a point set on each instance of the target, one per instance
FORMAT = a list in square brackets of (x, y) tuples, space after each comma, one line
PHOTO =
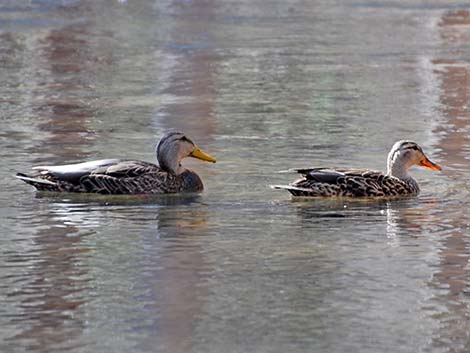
[(116, 176), (324, 182)]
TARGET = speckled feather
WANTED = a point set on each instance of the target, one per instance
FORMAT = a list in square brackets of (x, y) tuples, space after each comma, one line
[(122, 177), (349, 182)]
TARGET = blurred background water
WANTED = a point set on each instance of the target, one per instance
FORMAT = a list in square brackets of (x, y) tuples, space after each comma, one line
[(263, 86)]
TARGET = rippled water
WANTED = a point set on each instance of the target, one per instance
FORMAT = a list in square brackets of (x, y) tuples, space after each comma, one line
[(264, 86)]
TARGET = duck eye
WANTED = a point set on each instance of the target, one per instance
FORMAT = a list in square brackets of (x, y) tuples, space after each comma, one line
[(411, 148), (185, 139)]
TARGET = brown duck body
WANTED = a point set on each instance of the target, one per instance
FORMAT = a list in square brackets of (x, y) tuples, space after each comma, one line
[(120, 176), (113, 177), (323, 182)]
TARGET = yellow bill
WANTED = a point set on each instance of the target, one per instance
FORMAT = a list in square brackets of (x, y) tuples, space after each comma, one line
[(197, 153), (425, 162)]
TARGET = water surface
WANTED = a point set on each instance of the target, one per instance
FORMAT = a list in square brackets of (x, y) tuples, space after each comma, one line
[(263, 86)]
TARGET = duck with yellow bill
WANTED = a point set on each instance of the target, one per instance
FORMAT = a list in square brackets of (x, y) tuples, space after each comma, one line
[(121, 176)]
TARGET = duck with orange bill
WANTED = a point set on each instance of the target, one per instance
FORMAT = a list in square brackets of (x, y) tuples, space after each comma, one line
[(328, 182)]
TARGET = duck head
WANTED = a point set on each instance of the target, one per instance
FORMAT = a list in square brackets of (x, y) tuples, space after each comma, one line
[(405, 154), (173, 147)]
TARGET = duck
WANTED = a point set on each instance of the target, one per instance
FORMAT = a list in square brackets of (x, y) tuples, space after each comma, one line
[(122, 176), (328, 182)]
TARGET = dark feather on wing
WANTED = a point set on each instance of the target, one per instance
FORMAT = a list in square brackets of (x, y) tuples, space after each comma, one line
[(348, 182)]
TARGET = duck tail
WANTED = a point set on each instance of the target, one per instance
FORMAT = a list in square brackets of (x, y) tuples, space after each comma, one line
[(294, 190), (279, 187), (38, 183)]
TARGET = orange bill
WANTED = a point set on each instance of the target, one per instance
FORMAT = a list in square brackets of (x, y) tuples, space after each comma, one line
[(425, 162)]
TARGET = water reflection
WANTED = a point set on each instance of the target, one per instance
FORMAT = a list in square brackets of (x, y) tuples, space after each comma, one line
[(48, 294), (407, 216), (237, 267), (69, 280), (452, 278), (192, 79), (191, 82), (179, 302), (48, 73), (66, 63)]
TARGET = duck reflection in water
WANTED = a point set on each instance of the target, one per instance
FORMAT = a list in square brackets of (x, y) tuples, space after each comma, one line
[(411, 217)]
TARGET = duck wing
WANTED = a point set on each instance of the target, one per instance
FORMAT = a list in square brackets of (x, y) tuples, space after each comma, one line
[(340, 182), (126, 169), (62, 177), (129, 177), (315, 182), (322, 175), (106, 176), (349, 182), (72, 172)]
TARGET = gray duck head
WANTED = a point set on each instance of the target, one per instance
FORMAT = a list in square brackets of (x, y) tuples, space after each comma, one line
[(173, 147)]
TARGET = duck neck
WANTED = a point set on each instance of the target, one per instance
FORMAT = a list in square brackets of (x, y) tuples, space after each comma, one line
[(171, 163), (398, 167), (398, 171), (175, 168)]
